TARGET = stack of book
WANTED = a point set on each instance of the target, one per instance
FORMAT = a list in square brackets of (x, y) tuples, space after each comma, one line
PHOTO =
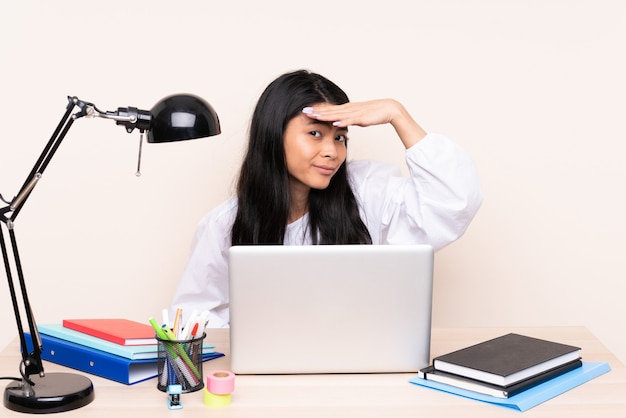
[(504, 366), (513, 371), (117, 349)]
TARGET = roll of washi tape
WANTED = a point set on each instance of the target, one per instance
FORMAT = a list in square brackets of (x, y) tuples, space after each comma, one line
[(213, 400), (220, 382)]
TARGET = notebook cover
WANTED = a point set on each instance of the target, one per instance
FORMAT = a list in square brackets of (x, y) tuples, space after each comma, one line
[(533, 396), (117, 330), (507, 359)]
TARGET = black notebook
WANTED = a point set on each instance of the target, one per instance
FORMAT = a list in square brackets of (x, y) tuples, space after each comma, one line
[(507, 360), (495, 390)]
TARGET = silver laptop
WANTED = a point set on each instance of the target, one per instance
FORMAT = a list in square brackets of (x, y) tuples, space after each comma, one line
[(330, 309)]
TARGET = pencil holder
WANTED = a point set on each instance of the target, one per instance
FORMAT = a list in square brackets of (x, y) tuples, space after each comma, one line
[(180, 363)]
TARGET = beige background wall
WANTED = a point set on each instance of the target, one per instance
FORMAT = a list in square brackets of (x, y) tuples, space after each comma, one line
[(534, 90)]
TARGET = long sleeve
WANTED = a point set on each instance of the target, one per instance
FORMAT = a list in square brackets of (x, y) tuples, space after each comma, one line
[(204, 282), (434, 205)]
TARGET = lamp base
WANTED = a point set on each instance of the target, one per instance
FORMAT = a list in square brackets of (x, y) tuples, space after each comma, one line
[(55, 392)]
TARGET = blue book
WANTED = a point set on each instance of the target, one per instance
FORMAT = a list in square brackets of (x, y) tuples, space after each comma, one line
[(100, 363), (132, 352), (530, 397)]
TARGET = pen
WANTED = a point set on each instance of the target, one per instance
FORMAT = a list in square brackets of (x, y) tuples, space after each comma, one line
[(204, 320), (165, 376), (166, 317), (176, 326), (186, 333), (159, 331), (194, 351)]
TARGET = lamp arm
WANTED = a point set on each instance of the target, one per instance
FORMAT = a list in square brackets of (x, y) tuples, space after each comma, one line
[(31, 360), (130, 118)]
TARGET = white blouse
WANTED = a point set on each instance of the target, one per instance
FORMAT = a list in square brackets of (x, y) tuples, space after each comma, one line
[(434, 205)]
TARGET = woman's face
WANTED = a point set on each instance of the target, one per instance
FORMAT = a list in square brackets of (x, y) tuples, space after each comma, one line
[(314, 152)]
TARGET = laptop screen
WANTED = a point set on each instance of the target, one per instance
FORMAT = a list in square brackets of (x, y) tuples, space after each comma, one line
[(330, 309)]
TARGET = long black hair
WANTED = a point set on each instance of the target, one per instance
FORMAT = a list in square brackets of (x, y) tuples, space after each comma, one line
[(263, 185)]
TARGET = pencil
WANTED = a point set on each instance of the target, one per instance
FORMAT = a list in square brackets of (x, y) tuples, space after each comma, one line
[(177, 317)]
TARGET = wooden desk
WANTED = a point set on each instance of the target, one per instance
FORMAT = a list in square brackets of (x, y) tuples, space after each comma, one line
[(375, 395)]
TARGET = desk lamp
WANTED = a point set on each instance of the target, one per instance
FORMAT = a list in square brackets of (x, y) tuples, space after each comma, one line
[(174, 118)]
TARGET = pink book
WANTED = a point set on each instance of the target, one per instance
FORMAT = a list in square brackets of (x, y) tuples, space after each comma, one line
[(116, 330)]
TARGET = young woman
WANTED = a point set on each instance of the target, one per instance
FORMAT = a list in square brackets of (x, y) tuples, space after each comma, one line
[(296, 188)]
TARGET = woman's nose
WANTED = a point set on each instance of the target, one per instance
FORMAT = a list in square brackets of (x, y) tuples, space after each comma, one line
[(329, 148)]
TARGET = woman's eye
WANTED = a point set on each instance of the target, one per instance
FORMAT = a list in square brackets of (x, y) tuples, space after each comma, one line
[(341, 138), (316, 134)]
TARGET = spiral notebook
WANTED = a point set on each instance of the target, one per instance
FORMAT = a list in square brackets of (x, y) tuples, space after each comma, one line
[(330, 309)]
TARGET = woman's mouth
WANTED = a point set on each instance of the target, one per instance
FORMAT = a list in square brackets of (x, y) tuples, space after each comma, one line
[(325, 170)]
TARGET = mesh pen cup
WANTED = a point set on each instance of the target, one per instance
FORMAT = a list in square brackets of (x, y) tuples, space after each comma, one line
[(180, 363)]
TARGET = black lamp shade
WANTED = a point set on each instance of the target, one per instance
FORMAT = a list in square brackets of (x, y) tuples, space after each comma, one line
[(182, 116)]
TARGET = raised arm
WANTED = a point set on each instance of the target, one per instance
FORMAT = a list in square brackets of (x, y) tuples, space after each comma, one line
[(369, 113)]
